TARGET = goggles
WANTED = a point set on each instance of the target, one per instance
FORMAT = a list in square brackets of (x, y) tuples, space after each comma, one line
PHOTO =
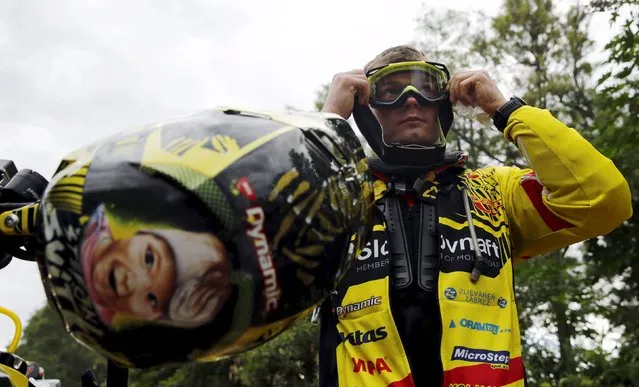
[(391, 84)]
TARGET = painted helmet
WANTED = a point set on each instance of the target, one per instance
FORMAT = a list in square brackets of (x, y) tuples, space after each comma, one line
[(205, 236)]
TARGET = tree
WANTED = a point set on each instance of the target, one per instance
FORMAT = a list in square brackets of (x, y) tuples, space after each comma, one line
[(289, 360), (615, 256), (442, 35), (543, 54), (221, 373), (46, 342), (551, 49)]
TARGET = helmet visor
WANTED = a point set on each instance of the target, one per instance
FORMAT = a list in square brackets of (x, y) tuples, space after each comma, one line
[(391, 82)]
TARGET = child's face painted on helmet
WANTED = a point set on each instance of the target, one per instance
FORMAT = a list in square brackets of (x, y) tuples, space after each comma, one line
[(179, 277), (136, 276)]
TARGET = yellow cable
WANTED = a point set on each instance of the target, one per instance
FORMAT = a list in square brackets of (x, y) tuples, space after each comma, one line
[(16, 320)]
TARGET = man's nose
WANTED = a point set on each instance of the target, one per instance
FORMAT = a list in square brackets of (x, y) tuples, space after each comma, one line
[(411, 101)]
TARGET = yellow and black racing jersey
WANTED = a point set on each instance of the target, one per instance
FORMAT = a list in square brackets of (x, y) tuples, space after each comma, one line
[(374, 335)]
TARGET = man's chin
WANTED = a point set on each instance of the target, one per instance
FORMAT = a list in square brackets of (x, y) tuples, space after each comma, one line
[(413, 134), (412, 139)]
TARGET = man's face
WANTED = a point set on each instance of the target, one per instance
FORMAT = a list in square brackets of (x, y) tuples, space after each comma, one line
[(410, 123), (136, 276)]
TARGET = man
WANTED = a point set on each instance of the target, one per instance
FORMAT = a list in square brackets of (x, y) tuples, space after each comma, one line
[(430, 301)]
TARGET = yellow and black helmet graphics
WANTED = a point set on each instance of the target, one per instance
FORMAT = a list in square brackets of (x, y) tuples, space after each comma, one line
[(204, 236)]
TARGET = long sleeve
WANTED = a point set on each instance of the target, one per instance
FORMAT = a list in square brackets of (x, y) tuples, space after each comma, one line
[(572, 193)]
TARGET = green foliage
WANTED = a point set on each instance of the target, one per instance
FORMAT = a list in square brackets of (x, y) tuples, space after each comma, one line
[(443, 36), (288, 360), (615, 257), (320, 96), (46, 342), (220, 373), (551, 293)]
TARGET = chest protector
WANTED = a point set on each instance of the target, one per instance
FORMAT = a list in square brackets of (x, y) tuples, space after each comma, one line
[(464, 230)]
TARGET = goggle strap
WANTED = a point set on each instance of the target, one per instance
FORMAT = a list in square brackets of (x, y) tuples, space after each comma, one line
[(435, 66)]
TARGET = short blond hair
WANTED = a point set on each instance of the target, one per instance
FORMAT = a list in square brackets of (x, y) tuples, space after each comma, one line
[(402, 53)]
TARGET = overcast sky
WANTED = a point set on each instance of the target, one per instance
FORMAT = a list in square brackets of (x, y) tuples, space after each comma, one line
[(74, 71)]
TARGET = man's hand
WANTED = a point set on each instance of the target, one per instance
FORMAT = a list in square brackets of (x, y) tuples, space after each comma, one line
[(476, 88), (341, 94)]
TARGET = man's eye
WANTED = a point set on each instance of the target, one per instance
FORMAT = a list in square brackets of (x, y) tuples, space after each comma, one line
[(392, 91), (428, 86), (153, 300), (149, 257)]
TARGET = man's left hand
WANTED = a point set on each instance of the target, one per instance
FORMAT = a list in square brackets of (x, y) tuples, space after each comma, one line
[(476, 88)]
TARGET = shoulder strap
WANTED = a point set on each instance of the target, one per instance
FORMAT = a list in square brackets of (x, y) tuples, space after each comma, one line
[(401, 274), (428, 254)]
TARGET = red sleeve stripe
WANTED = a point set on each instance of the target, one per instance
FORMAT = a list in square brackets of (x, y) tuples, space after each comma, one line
[(533, 189)]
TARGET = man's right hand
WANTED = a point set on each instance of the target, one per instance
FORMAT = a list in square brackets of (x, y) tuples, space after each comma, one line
[(341, 94)]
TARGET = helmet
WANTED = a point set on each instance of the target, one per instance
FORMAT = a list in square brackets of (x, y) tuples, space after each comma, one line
[(390, 86), (201, 237)]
